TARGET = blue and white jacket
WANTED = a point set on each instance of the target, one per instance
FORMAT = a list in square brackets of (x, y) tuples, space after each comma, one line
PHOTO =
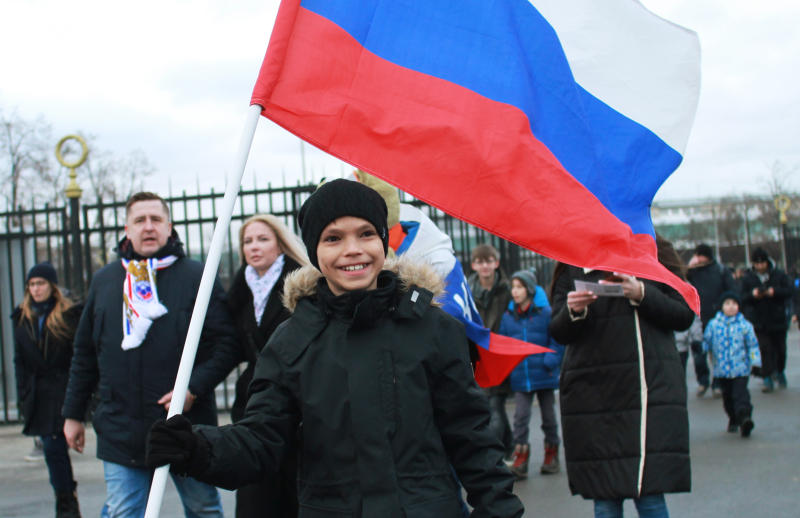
[(733, 343), (537, 371)]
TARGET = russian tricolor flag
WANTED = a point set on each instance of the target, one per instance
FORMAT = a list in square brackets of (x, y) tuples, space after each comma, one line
[(549, 123)]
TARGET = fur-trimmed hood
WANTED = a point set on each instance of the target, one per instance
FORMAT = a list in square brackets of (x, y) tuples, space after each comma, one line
[(303, 282)]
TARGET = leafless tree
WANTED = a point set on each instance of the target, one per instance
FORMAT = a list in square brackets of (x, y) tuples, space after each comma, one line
[(26, 153)]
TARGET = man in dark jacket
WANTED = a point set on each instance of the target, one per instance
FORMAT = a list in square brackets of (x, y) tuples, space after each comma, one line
[(133, 361), (711, 280), (491, 292), (765, 293)]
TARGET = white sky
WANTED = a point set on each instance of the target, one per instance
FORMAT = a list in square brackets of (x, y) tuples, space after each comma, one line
[(173, 78)]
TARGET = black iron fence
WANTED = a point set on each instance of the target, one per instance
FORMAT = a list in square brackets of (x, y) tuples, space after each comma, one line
[(29, 236)]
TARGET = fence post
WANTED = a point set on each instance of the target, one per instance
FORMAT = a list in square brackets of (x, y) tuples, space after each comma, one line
[(73, 192)]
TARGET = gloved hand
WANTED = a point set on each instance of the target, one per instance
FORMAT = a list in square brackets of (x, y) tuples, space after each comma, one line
[(173, 442)]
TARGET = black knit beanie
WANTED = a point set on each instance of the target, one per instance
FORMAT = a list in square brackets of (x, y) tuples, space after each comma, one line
[(730, 295), (339, 198), (44, 270)]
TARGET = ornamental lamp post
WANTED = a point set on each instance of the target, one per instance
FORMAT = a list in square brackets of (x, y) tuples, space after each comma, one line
[(74, 192)]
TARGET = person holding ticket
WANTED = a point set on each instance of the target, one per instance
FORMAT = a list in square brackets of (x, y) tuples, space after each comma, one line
[(623, 400)]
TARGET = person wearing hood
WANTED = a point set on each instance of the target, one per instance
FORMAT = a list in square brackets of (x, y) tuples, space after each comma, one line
[(537, 375), (765, 293), (128, 346), (732, 342), (369, 380), (44, 326)]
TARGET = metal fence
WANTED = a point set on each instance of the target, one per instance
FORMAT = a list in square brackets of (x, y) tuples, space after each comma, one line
[(29, 236)]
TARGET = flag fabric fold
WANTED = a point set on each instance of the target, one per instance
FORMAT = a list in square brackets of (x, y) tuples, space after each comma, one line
[(551, 124)]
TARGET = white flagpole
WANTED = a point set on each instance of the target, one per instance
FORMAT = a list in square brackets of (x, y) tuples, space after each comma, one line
[(203, 295)]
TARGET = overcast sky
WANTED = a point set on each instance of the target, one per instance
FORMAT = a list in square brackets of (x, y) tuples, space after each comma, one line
[(174, 78)]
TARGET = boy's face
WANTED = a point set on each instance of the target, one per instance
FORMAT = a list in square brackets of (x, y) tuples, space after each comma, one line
[(485, 267), (730, 307), (350, 255), (519, 292)]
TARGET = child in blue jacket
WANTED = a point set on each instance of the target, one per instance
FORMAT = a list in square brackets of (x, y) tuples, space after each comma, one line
[(527, 319), (734, 347)]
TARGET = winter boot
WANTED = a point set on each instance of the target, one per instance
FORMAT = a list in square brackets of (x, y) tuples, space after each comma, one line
[(746, 424), (67, 505), (550, 464), (781, 379), (520, 466), (732, 426), (768, 386)]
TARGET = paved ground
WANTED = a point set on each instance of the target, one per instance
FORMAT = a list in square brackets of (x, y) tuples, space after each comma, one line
[(731, 476)]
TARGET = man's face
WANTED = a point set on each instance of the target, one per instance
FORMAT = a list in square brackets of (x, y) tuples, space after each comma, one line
[(147, 226), (761, 266), (485, 267)]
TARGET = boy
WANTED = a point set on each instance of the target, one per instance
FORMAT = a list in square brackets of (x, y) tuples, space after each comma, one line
[(537, 375), (491, 292), (378, 376), (734, 347)]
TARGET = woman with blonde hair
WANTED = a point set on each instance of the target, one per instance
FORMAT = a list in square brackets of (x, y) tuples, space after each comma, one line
[(44, 326), (268, 251)]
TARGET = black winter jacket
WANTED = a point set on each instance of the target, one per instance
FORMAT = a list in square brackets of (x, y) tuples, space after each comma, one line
[(766, 313), (602, 398), (711, 280), (385, 392), (252, 337), (41, 366), (129, 383)]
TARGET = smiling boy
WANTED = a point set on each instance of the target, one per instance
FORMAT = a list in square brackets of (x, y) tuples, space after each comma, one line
[(378, 375)]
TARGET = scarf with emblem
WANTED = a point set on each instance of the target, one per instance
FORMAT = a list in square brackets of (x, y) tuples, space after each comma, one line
[(140, 298)]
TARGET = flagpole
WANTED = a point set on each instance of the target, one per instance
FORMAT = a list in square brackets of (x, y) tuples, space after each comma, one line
[(203, 295)]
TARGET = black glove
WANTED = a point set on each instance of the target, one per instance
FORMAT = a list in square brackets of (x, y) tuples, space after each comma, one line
[(173, 442)]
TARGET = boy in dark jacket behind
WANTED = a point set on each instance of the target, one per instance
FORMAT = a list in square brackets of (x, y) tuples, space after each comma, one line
[(491, 292), (379, 376)]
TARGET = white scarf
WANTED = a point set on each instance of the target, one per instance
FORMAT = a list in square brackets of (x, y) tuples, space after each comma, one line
[(140, 298), (262, 286)]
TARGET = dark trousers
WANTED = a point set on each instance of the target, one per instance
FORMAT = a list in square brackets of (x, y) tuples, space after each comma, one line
[(701, 369), (773, 351), (736, 398), (522, 416), (56, 456), (498, 421), (684, 356)]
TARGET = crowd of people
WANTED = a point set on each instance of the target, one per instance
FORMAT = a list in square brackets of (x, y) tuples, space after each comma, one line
[(357, 396)]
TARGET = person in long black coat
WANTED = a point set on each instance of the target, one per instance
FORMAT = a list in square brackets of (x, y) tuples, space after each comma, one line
[(623, 399), (268, 252), (44, 325)]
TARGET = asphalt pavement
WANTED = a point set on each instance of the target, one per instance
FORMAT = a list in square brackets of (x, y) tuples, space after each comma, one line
[(731, 476)]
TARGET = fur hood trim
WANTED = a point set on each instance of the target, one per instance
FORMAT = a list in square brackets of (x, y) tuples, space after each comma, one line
[(303, 282)]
